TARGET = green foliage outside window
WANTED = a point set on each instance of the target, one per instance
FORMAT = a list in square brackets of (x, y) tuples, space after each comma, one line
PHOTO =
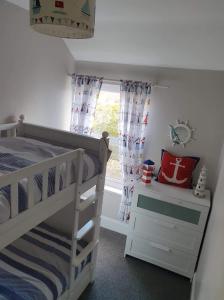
[(107, 115), (107, 119)]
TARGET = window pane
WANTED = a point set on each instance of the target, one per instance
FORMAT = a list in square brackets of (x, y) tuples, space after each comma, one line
[(113, 166), (106, 119)]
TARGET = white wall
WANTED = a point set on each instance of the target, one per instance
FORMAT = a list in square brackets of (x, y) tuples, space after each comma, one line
[(210, 273), (196, 96), (111, 204), (33, 71)]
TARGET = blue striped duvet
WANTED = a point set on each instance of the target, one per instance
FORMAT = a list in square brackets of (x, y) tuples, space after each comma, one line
[(36, 266), (17, 153), (11, 163)]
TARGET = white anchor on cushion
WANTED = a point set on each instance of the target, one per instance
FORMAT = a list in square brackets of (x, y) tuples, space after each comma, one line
[(174, 178)]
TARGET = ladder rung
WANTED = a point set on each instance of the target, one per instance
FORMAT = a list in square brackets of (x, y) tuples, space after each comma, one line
[(85, 252), (86, 203), (86, 228)]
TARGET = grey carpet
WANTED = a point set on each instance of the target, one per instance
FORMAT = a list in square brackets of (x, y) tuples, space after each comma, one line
[(129, 278)]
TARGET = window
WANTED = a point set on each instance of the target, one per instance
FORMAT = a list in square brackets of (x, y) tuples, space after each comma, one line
[(107, 119)]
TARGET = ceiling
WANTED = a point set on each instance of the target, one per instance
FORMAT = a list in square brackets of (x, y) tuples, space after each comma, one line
[(169, 33)]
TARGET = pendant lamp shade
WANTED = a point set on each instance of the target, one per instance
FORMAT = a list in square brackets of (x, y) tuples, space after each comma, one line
[(73, 19)]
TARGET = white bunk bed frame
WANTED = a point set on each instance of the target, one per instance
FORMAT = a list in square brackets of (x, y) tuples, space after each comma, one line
[(63, 209)]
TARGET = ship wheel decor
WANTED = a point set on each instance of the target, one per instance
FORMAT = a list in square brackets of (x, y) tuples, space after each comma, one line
[(181, 133), (73, 19)]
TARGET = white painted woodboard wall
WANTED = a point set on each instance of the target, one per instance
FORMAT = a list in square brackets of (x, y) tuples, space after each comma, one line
[(208, 284), (193, 95), (33, 71)]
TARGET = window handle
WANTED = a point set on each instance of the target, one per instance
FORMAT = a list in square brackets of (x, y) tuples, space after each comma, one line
[(134, 223)]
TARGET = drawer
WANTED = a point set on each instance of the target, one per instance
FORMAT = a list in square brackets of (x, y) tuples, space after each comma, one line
[(168, 233), (161, 255), (191, 215)]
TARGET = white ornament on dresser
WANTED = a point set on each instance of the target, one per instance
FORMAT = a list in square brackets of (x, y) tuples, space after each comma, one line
[(200, 187), (166, 227)]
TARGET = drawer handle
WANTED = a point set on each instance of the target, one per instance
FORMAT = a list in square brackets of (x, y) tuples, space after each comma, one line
[(160, 247), (164, 224)]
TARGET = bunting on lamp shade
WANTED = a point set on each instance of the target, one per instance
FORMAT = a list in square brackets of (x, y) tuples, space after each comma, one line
[(73, 19)]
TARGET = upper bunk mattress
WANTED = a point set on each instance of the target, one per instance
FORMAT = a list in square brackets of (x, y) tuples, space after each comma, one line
[(18, 152), (37, 265), (36, 151)]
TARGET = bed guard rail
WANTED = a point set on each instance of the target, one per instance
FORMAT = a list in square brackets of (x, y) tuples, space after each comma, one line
[(13, 179), (35, 213)]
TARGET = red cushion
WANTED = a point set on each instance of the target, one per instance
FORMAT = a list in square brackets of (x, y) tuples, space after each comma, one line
[(59, 4), (176, 170)]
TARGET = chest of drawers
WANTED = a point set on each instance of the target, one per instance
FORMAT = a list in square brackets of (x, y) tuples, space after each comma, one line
[(167, 226)]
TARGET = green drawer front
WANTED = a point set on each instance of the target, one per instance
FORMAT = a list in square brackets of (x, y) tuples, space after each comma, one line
[(169, 209)]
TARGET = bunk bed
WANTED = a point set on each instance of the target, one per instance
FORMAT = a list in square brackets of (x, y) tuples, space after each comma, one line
[(49, 228)]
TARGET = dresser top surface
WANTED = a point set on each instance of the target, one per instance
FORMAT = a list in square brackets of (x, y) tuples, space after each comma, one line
[(174, 192)]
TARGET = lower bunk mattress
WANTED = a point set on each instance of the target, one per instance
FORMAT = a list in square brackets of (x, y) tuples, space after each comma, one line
[(18, 152), (36, 266)]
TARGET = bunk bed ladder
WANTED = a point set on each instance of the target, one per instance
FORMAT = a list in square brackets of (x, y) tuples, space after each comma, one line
[(94, 223), (104, 156), (98, 211), (79, 177)]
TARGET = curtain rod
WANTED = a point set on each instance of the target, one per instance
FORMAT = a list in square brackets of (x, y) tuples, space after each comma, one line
[(116, 81), (154, 85)]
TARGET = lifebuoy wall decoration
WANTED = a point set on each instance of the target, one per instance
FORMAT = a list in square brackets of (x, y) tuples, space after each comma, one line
[(181, 133)]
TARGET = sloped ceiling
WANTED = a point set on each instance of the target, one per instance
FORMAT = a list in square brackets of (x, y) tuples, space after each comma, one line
[(171, 33)]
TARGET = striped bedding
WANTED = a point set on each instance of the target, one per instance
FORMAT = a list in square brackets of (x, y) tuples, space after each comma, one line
[(17, 153), (36, 266)]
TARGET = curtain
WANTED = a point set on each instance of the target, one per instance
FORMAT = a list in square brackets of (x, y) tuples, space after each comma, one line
[(86, 91), (134, 118)]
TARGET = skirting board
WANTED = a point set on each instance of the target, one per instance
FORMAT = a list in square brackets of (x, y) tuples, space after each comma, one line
[(193, 287), (114, 225)]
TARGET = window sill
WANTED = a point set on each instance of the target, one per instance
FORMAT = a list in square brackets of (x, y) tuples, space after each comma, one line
[(113, 190), (114, 186)]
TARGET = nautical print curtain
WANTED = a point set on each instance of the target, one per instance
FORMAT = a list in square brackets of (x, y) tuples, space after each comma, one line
[(134, 118), (86, 91)]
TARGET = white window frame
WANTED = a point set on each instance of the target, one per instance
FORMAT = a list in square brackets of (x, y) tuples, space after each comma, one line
[(112, 184)]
